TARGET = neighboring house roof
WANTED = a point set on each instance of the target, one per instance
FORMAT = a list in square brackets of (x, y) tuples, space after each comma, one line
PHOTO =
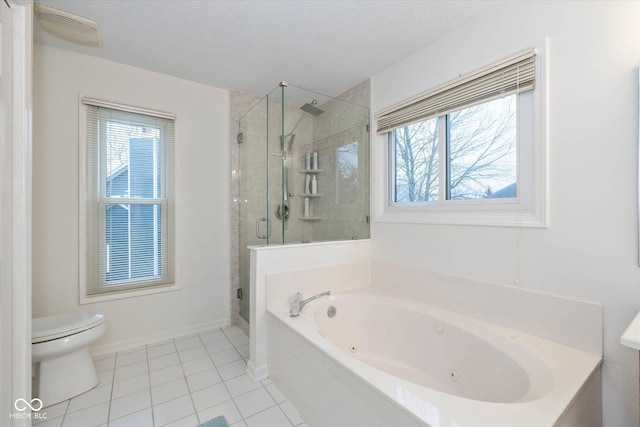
[(121, 173), (510, 191)]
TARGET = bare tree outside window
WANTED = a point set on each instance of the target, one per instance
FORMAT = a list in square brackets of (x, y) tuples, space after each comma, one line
[(118, 135), (417, 162), (481, 151)]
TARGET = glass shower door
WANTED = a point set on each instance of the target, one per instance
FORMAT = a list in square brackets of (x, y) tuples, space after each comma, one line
[(261, 209), (277, 211), (254, 228)]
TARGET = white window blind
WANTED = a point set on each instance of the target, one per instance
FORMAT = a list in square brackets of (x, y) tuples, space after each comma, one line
[(127, 198), (513, 75)]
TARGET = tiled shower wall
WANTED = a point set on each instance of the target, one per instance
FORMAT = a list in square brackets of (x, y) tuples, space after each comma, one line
[(342, 141)]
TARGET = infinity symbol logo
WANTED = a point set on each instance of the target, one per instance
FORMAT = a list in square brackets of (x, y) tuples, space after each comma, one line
[(35, 405)]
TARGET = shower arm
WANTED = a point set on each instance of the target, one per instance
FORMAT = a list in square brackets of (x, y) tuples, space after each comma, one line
[(295, 126)]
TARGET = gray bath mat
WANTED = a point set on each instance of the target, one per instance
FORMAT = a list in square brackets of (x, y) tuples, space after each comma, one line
[(216, 422)]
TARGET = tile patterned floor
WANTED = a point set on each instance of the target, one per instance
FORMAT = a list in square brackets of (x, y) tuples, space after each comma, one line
[(177, 383)]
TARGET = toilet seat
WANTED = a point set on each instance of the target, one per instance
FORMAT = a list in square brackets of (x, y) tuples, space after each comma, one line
[(59, 326)]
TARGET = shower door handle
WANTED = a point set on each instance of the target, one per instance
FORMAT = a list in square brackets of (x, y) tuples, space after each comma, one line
[(263, 236)]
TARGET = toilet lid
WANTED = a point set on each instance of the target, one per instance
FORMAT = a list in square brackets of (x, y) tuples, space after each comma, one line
[(62, 325)]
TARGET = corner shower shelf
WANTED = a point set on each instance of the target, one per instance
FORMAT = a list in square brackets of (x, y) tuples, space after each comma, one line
[(310, 170), (310, 218), (310, 195)]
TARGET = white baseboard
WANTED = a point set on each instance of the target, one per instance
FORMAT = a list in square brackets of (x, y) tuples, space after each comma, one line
[(163, 336), (242, 324), (257, 373)]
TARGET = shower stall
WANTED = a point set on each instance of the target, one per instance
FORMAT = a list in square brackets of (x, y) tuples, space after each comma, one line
[(303, 173)]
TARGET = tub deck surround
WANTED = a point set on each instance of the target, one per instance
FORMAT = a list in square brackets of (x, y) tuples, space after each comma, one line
[(566, 321), (479, 374), (295, 354)]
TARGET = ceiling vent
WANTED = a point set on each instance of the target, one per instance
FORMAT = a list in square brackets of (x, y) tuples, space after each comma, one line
[(67, 26)]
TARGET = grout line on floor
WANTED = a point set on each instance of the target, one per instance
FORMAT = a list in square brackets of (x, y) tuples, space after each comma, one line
[(238, 385)]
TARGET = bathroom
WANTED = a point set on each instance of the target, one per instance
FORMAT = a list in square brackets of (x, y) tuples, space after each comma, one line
[(587, 250)]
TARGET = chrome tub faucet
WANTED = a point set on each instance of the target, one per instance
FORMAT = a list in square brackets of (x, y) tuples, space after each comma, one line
[(298, 302)]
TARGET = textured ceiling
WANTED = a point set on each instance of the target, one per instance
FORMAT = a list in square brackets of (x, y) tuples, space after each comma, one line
[(325, 46)]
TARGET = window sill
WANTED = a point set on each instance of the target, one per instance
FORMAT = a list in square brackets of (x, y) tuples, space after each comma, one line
[(115, 295), (441, 217)]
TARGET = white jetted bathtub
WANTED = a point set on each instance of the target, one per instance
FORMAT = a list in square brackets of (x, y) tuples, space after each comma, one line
[(369, 358)]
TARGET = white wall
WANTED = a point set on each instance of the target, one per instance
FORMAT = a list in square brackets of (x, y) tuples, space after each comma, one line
[(590, 250), (202, 228)]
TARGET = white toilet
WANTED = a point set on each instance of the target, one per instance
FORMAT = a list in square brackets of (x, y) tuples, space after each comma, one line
[(62, 364)]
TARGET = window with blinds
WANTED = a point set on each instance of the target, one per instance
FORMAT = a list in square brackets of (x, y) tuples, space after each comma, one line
[(469, 147), (127, 198), (514, 75)]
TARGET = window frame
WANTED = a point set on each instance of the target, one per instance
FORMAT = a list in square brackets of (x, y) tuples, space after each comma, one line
[(444, 171), (528, 209), (167, 202)]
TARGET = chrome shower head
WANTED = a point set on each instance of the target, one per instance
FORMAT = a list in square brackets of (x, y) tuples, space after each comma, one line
[(311, 108)]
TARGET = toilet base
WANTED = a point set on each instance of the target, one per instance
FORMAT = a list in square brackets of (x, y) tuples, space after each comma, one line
[(64, 377)]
